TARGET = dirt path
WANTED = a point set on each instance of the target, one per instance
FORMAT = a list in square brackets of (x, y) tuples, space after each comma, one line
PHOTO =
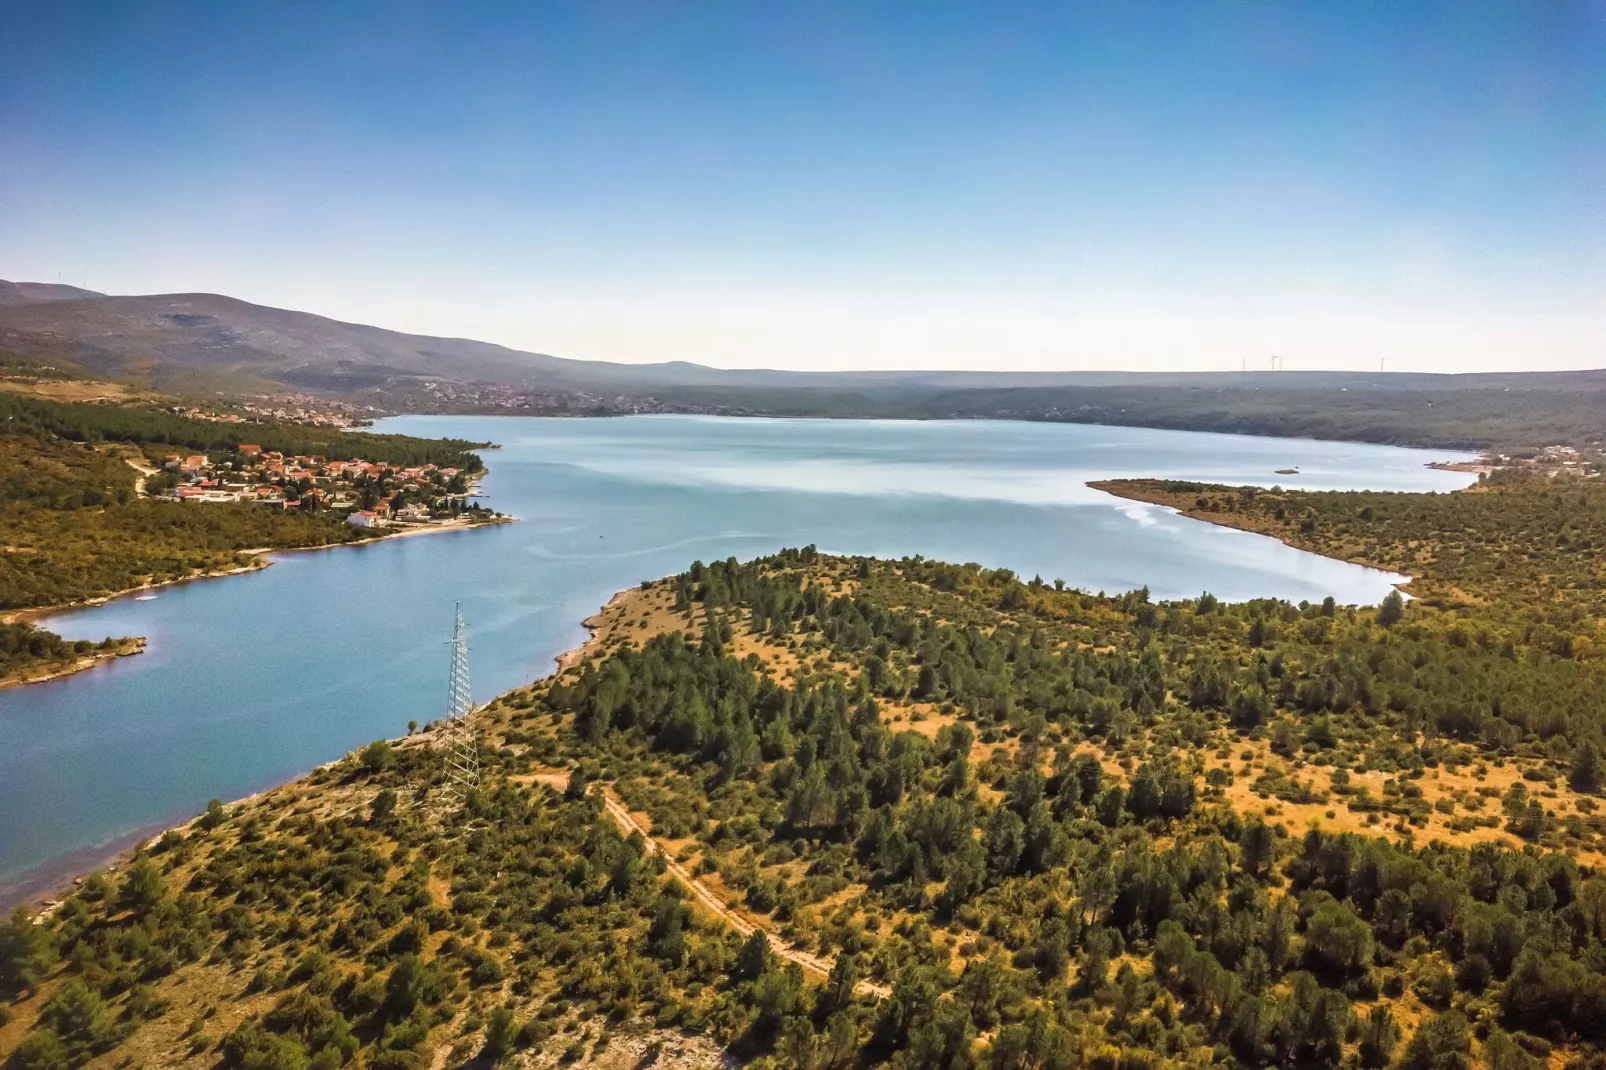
[(145, 472), (628, 824)]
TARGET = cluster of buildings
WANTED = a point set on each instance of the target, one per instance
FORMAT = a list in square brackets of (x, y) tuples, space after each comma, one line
[(376, 493), (525, 398), (293, 408), (1566, 456)]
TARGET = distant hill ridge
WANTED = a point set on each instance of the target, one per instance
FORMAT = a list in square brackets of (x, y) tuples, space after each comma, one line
[(29, 293), (198, 343), (161, 332)]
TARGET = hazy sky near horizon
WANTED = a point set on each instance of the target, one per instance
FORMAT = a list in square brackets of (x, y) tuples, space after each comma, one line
[(838, 185)]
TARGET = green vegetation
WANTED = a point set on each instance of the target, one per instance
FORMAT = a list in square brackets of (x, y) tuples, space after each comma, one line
[(18, 366), (1038, 856), (1507, 413), (1519, 559), (222, 345), (1520, 414), (1023, 826), (1506, 417), (73, 528), (24, 648), (151, 427)]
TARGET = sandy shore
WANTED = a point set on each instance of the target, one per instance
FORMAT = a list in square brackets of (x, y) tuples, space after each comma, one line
[(1483, 466), (1183, 503)]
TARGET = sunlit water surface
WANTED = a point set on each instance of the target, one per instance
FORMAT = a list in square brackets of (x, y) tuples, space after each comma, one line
[(250, 680)]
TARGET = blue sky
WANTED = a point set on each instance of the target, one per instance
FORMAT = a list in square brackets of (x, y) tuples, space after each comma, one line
[(838, 185)]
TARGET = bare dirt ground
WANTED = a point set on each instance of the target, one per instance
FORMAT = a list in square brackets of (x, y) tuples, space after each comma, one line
[(1462, 787), (628, 1047), (65, 389), (635, 614)]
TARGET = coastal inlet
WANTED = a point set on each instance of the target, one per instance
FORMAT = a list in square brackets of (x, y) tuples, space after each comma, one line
[(251, 680)]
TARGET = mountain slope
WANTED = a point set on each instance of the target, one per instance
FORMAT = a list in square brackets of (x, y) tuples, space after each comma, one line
[(167, 333), (170, 336), (163, 336), (29, 293), (194, 344)]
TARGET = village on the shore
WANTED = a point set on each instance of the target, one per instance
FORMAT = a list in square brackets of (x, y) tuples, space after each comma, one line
[(373, 495)]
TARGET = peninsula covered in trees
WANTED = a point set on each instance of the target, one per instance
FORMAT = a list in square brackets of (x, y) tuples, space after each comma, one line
[(962, 817), (82, 520)]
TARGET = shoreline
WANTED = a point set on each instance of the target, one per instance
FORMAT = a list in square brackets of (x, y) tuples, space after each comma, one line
[(35, 613), (572, 657), (1479, 450), (59, 883), (127, 647), (44, 886), (1121, 488)]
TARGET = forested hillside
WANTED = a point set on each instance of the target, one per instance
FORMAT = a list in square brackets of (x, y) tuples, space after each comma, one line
[(1365, 409), (973, 820), (154, 429), (1522, 556), (72, 527)]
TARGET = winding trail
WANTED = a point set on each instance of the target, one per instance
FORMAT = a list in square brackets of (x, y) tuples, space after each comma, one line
[(628, 824), (145, 472)]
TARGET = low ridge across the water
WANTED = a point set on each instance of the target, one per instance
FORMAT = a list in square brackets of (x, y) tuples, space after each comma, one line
[(203, 345)]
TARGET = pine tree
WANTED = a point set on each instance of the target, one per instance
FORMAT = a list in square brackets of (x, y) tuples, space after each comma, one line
[(1585, 776), (1392, 609)]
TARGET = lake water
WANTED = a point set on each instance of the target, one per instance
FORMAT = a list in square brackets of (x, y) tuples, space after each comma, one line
[(253, 679)]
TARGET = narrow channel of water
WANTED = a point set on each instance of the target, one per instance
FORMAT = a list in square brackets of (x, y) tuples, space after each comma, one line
[(251, 680)]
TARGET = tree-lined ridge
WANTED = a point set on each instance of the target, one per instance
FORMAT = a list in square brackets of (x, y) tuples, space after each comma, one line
[(1051, 828)]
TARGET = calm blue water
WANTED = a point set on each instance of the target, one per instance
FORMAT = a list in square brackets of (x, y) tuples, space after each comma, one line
[(250, 680)]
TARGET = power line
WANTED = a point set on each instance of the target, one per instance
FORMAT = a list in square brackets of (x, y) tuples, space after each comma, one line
[(461, 747)]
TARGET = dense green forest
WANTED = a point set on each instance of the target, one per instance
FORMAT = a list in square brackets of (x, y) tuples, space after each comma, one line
[(1522, 556), (1515, 418), (1051, 829), (152, 427), (1449, 418)]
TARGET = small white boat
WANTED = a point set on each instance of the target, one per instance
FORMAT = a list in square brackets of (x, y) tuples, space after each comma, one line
[(144, 598)]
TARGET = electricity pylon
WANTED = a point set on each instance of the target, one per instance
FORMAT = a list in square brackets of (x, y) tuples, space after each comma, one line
[(458, 741)]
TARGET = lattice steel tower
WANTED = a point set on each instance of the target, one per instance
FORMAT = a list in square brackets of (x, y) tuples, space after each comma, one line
[(457, 734)]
